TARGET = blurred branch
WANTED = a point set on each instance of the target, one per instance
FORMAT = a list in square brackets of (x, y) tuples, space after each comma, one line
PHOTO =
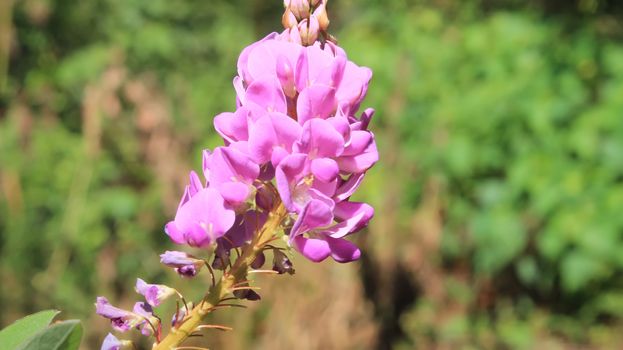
[(6, 11)]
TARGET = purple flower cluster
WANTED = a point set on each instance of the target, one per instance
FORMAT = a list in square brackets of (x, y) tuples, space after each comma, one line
[(296, 149), (295, 129)]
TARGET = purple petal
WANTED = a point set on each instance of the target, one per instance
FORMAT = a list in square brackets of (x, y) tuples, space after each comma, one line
[(235, 193), (201, 220), (285, 73), (105, 309), (313, 249), (361, 162), (195, 184), (178, 259), (315, 101), (287, 174), (315, 214), (348, 187), (245, 56), (262, 59), (233, 126), (275, 129), (154, 293), (267, 93), (238, 83), (341, 125), (354, 85), (112, 343), (332, 74), (353, 216), (359, 141), (230, 165), (320, 139), (325, 169), (301, 75), (342, 250)]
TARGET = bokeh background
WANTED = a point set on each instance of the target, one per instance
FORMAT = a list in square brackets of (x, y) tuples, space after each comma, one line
[(499, 193)]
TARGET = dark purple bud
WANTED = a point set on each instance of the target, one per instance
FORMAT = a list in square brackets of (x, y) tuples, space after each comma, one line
[(248, 294), (185, 264), (281, 263), (221, 257), (188, 271), (259, 261)]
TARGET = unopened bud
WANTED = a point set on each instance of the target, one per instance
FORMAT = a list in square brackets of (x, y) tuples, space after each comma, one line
[(321, 14), (292, 35), (259, 261), (288, 19), (309, 30), (248, 294), (300, 8), (112, 343), (181, 314), (154, 293), (281, 263)]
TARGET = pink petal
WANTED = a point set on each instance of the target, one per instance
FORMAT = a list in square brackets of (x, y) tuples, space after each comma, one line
[(315, 101), (320, 139), (233, 126), (290, 170), (361, 162), (315, 214), (235, 193), (275, 129), (348, 187), (342, 250), (267, 94), (313, 249), (325, 169)]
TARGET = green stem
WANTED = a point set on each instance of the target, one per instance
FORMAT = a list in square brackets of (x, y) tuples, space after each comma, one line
[(218, 292)]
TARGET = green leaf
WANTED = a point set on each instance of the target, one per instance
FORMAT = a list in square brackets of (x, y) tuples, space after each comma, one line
[(60, 336), (22, 329)]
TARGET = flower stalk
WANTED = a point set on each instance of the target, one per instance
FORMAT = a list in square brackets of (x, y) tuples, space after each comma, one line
[(238, 272)]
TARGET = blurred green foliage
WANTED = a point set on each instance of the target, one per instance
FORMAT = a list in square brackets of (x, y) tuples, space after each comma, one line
[(499, 188)]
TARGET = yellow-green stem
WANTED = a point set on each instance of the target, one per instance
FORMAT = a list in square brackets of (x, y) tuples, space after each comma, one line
[(223, 287)]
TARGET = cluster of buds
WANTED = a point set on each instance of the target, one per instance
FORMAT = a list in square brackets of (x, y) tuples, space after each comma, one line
[(295, 150), (305, 20)]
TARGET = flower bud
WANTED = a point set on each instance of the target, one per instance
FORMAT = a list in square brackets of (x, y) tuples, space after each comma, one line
[(321, 14), (185, 265), (181, 314), (259, 261), (292, 35), (300, 8), (112, 343), (288, 19), (248, 294), (309, 30), (281, 263), (146, 313), (121, 320), (154, 293)]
